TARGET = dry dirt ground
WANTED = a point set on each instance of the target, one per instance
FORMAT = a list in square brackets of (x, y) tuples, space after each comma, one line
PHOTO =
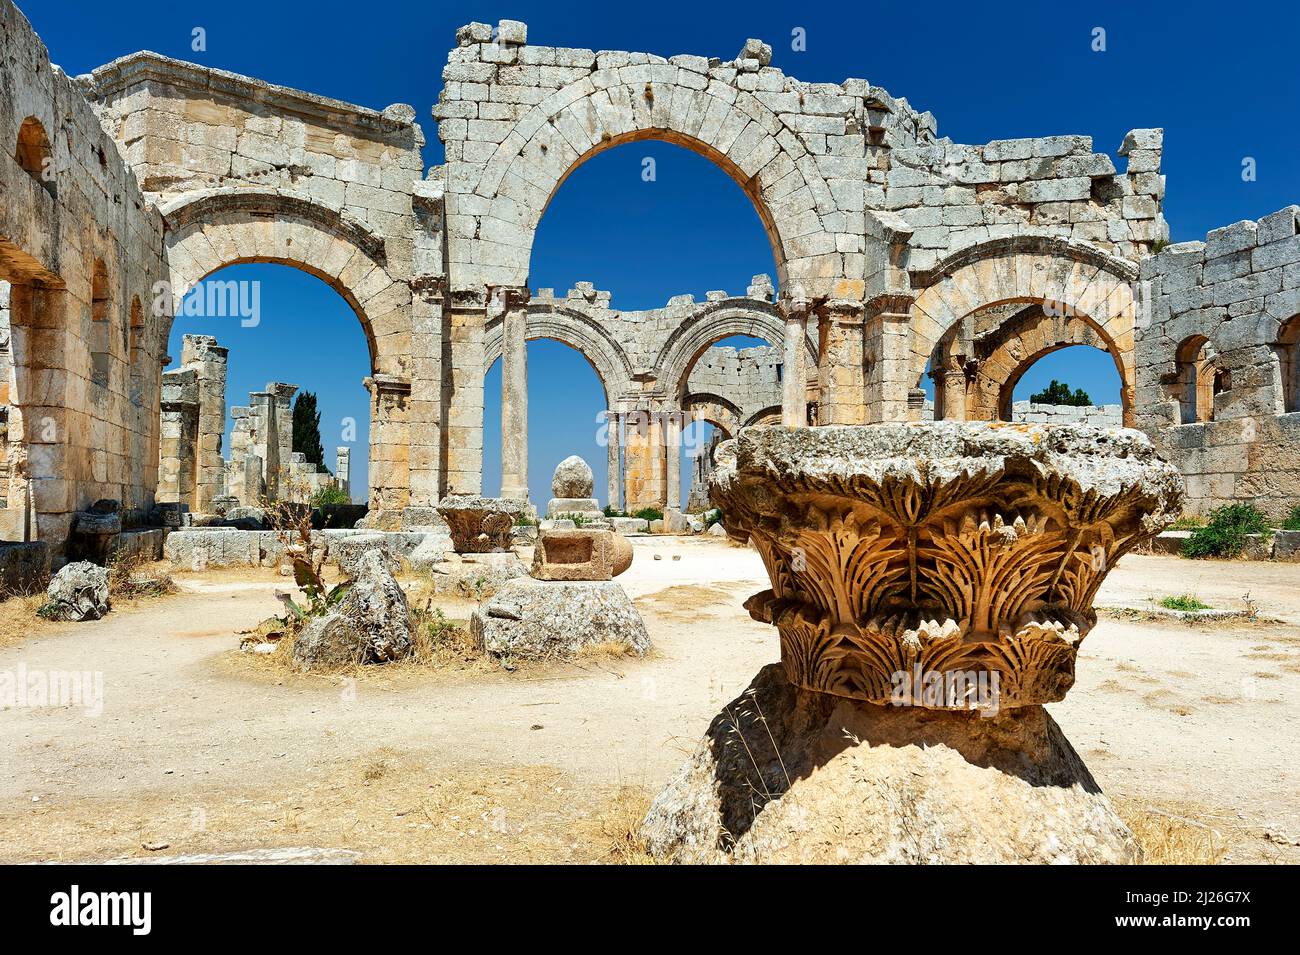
[(1194, 729)]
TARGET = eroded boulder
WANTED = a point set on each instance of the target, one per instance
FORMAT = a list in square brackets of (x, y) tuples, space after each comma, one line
[(79, 591), (371, 624)]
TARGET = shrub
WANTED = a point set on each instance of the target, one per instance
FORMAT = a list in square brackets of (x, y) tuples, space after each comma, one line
[(579, 520), (612, 511), (1224, 535), (1183, 602), (649, 514), (330, 493), (524, 520), (1292, 522), (712, 516)]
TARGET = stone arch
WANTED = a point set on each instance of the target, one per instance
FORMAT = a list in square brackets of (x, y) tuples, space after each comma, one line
[(764, 416), (705, 327), (1085, 290), (1003, 357), (215, 229), (734, 130), (580, 332), (722, 413)]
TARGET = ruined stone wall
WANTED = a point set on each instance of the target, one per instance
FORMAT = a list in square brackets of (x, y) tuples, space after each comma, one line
[(245, 171), (746, 381), (1226, 309), (82, 249)]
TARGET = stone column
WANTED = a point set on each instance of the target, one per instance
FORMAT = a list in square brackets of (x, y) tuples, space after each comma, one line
[(794, 374), (643, 460), (672, 431), (514, 391), (390, 481), (613, 439), (931, 585), (343, 468), (462, 390), (841, 365), (953, 382), (208, 359), (887, 334), (178, 447), (280, 428)]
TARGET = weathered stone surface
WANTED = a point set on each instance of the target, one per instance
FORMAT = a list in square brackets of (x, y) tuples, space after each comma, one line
[(347, 552), (890, 546), (580, 554), (24, 566), (1286, 545), (476, 576), (786, 775), (572, 478), (539, 619), (371, 624), (79, 591), (630, 525), (675, 522), (430, 551), (566, 507), (479, 525), (93, 534)]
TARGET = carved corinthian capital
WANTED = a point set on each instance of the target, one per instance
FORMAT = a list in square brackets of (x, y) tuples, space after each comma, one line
[(905, 551)]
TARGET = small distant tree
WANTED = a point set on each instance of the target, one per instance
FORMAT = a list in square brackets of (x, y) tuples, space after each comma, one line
[(306, 428), (1059, 393)]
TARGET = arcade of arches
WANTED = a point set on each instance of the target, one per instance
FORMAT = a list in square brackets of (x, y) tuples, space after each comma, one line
[(895, 250)]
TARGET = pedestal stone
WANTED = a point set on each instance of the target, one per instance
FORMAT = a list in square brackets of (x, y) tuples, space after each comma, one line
[(931, 584), (572, 486)]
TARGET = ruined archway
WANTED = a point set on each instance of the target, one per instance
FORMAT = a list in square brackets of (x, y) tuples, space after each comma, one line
[(210, 231), (581, 118), (1073, 294)]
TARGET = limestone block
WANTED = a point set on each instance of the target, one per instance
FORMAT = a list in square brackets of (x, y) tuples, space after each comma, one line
[(630, 525), (572, 478), (565, 506), (580, 554), (541, 619), (476, 576)]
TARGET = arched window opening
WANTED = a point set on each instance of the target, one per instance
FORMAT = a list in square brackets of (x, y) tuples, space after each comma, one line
[(1073, 384), (34, 155), (1194, 382), (1288, 353)]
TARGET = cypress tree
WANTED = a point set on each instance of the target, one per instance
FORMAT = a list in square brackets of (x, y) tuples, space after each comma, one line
[(306, 428)]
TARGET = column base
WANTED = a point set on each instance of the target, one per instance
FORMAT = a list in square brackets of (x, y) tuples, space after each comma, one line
[(786, 775)]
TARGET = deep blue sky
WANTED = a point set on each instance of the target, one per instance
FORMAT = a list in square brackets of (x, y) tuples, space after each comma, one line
[(1221, 79)]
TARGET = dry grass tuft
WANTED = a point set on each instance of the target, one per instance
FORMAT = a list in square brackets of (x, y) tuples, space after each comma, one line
[(19, 619), (1169, 839), (619, 824)]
